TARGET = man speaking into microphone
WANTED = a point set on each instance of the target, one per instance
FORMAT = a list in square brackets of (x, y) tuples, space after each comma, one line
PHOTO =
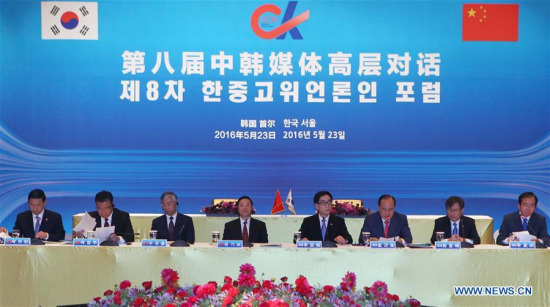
[(455, 225), (173, 225)]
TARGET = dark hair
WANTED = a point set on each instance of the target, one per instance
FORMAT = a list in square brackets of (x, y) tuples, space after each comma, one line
[(245, 197), (385, 196), (527, 194), (168, 193), (320, 194), (37, 193), (454, 199), (104, 196)]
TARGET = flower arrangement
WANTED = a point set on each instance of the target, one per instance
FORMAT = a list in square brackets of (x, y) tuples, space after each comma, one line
[(246, 290), (222, 207), (349, 209)]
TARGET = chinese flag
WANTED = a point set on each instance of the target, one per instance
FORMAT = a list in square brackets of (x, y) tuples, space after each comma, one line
[(278, 204), (490, 22)]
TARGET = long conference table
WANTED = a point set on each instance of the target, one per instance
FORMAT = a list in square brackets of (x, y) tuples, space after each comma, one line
[(60, 274), (281, 228)]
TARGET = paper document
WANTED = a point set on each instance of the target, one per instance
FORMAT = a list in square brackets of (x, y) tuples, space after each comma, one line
[(4, 235), (103, 233), (87, 223), (524, 236)]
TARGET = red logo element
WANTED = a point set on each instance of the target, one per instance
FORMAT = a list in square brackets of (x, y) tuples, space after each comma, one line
[(287, 25)]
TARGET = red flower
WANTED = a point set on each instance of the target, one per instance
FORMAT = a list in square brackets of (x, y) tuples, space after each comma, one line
[(228, 300), (125, 284), (267, 284), (206, 289), (302, 285), (171, 290), (349, 281), (97, 299), (235, 283), (227, 280), (193, 299), (117, 293), (139, 301), (108, 292), (395, 297), (233, 292), (379, 289), (284, 279), (117, 300), (413, 302), (169, 305), (328, 289), (147, 285), (169, 277), (226, 287), (257, 291), (181, 294), (158, 289)]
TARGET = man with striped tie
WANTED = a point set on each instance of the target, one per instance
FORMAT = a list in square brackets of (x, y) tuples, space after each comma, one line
[(455, 225)]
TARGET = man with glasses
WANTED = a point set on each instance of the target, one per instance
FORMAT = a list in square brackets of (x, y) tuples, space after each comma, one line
[(173, 225), (456, 226), (525, 219), (386, 223), (324, 226)]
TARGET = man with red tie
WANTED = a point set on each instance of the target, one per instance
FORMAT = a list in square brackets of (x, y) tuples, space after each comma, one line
[(525, 219), (245, 227), (107, 215), (173, 225), (37, 222), (387, 223)]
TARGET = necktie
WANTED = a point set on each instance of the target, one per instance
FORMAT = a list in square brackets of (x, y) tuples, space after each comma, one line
[(455, 230), (386, 228), (245, 232), (524, 223), (37, 225), (106, 223), (171, 229), (324, 229)]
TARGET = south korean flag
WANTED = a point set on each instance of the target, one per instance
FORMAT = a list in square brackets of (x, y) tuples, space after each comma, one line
[(69, 20)]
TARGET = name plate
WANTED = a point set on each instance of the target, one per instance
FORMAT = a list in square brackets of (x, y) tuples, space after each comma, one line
[(230, 244), (154, 243), (86, 242), (17, 241), (383, 244), (523, 245), (309, 244), (447, 245)]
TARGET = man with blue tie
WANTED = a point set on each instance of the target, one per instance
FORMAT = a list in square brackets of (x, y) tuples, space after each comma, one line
[(386, 223), (37, 222), (324, 226), (525, 219), (173, 225), (456, 226)]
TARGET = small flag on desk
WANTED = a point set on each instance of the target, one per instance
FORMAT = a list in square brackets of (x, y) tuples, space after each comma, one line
[(290, 203), (278, 204), (69, 20)]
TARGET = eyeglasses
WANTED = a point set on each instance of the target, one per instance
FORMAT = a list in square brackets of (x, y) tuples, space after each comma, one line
[(325, 203)]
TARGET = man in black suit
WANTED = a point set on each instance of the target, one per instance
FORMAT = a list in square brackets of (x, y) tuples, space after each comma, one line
[(526, 219), (245, 228), (107, 215), (173, 225), (38, 222), (456, 226), (387, 223), (324, 226)]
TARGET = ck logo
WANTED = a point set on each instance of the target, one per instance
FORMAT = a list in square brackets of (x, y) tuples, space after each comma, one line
[(289, 24)]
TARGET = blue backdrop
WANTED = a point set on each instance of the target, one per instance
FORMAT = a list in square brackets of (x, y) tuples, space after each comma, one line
[(69, 127)]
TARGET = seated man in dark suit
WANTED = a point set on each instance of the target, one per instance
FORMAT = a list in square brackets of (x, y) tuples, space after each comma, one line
[(173, 225), (107, 215), (245, 228), (386, 223), (526, 219), (456, 226), (324, 226), (38, 222)]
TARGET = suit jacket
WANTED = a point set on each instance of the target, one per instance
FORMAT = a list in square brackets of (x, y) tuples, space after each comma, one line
[(399, 226), (184, 229), (257, 231), (466, 228), (52, 223), (121, 221), (311, 229), (512, 223)]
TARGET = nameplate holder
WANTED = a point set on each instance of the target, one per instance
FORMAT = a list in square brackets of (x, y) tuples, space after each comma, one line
[(383, 244), (86, 242), (447, 245), (154, 243), (309, 244), (523, 245), (17, 241), (230, 244)]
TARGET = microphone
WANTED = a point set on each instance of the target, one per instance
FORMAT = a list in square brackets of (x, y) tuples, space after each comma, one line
[(179, 242), (464, 244), (538, 244)]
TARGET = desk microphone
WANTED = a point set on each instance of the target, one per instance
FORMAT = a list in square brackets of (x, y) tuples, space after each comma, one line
[(464, 244), (538, 244), (180, 243)]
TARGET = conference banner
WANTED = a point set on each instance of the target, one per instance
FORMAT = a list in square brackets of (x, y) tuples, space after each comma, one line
[(219, 99)]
